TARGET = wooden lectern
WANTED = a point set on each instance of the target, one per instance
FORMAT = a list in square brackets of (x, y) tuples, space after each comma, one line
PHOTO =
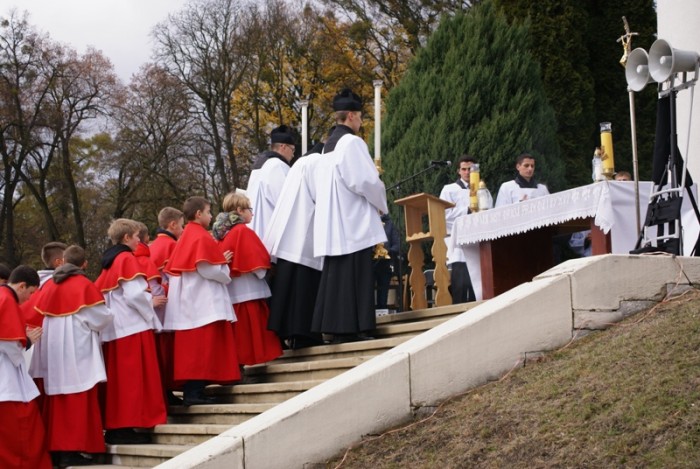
[(415, 208)]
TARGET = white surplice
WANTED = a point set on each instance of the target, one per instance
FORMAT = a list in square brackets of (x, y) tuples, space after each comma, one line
[(289, 234), (349, 197), (460, 197), (132, 307), (199, 298), (264, 187), (69, 355), (16, 385), (511, 193)]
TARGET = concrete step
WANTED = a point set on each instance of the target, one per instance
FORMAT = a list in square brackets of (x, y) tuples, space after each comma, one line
[(219, 414), (186, 434), (271, 383), (421, 314), (350, 349), (410, 329), (304, 370), (103, 466), (261, 393), (144, 455)]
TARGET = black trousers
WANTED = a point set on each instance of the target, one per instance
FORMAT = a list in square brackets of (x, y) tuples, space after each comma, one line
[(461, 284), (345, 301)]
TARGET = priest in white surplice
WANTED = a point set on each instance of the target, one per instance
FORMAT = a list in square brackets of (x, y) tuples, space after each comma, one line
[(268, 175), (347, 225), (290, 241), (458, 193), (524, 186)]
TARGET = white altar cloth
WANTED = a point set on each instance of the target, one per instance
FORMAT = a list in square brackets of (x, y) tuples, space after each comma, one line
[(610, 203)]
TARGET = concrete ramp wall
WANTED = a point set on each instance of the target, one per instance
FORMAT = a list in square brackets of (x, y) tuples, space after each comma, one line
[(469, 350)]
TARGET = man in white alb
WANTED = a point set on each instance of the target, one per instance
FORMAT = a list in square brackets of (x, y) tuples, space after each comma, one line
[(268, 175), (349, 200), (524, 186)]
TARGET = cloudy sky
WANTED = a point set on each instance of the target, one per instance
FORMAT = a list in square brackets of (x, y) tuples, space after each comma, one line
[(119, 28)]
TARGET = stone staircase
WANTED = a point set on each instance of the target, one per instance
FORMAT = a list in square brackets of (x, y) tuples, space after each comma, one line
[(269, 384)]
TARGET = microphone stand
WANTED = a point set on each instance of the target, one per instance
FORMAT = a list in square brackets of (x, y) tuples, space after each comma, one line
[(396, 187)]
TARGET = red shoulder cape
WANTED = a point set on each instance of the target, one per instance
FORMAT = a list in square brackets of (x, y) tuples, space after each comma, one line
[(11, 321), (68, 297), (249, 252), (143, 257), (125, 267), (31, 316), (195, 245), (161, 250)]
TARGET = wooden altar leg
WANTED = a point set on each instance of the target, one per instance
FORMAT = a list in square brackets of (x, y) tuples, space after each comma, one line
[(600, 242), (417, 279), (486, 259)]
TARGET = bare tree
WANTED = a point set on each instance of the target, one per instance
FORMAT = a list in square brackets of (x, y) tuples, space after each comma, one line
[(25, 82), (156, 160), (387, 21), (83, 89), (201, 45)]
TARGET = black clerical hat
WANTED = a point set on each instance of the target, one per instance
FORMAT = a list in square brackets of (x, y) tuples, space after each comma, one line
[(346, 100), (282, 134)]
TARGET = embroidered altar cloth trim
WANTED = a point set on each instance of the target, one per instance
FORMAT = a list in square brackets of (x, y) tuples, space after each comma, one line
[(588, 201)]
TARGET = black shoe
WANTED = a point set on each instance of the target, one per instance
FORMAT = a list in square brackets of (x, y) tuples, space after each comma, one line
[(296, 343), (172, 399), (198, 399), (345, 338), (73, 458), (126, 436)]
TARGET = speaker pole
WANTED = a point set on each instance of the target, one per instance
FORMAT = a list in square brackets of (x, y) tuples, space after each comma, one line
[(635, 160), (626, 41)]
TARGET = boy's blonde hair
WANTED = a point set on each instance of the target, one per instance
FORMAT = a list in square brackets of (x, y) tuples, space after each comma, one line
[(234, 201), (52, 251), (120, 228), (192, 205), (167, 215), (75, 255)]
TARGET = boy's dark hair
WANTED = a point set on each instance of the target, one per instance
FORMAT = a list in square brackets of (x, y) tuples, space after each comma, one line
[(74, 255), (167, 215), (24, 273), (52, 251), (4, 272), (466, 159), (520, 158), (192, 205), (143, 230)]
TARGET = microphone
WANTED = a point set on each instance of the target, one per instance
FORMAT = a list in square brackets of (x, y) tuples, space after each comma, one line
[(440, 163)]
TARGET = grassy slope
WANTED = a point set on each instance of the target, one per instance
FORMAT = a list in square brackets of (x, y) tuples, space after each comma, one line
[(625, 397)]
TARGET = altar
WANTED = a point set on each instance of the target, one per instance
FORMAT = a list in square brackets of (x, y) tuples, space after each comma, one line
[(509, 245)]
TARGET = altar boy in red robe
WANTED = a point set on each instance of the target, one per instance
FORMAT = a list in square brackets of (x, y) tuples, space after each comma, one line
[(198, 308), (170, 226), (22, 438), (133, 395), (69, 356), (248, 288)]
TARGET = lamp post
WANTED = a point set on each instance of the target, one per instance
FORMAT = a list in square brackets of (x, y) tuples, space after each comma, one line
[(377, 123), (304, 125)]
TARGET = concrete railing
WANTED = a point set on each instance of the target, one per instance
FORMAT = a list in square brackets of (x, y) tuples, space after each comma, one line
[(467, 351)]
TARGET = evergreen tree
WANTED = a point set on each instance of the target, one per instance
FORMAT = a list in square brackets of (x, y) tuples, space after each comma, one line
[(579, 57), (611, 96), (474, 88)]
